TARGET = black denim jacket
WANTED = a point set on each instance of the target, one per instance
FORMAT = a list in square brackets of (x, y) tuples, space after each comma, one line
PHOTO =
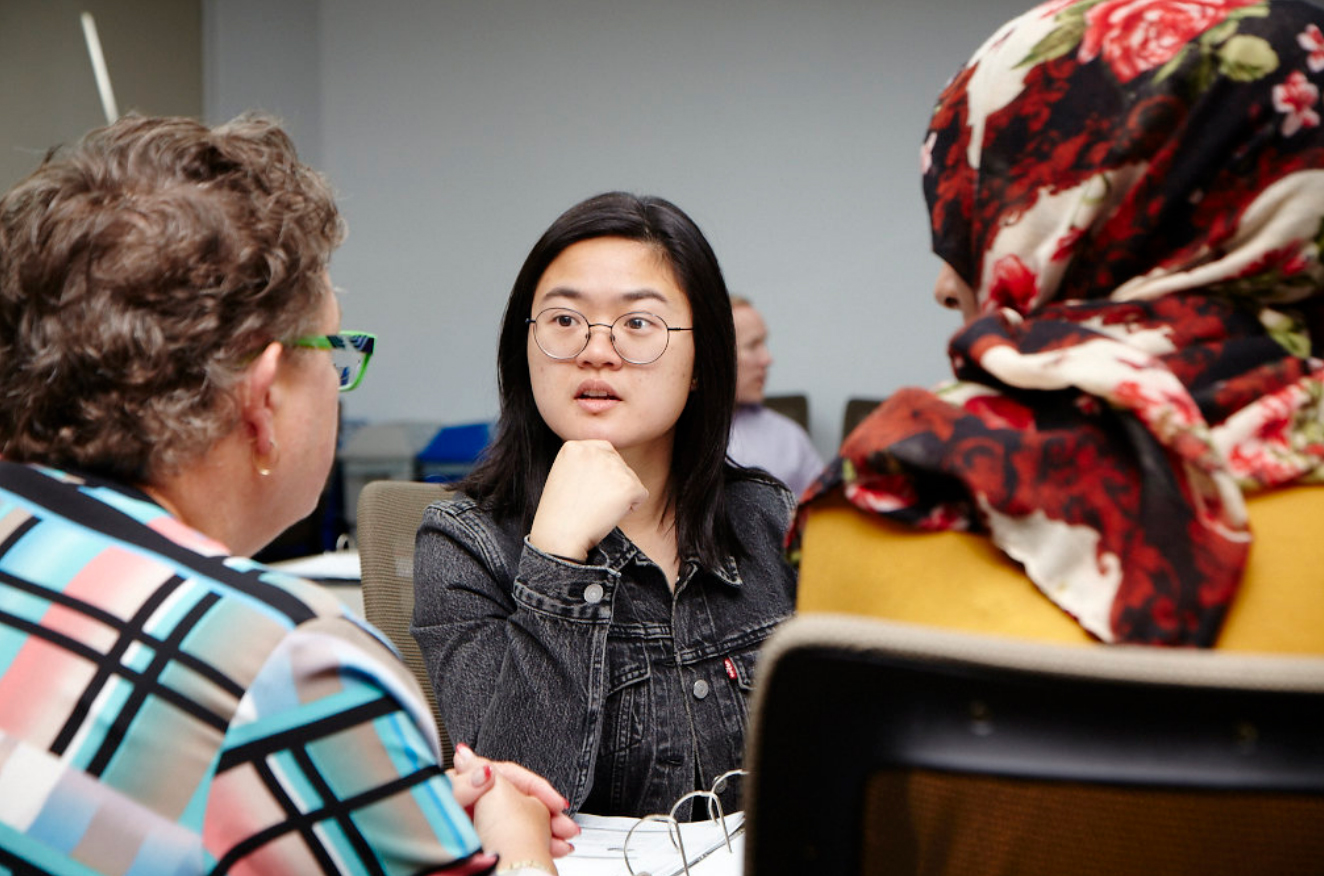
[(595, 675)]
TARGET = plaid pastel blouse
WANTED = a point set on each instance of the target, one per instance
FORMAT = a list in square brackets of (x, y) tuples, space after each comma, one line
[(168, 709)]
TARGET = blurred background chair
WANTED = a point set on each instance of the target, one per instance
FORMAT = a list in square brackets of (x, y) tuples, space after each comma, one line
[(856, 409), (389, 513), (879, 747), (794, 406)]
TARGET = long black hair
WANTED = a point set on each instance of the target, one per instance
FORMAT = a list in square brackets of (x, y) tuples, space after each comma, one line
[(508, 482)]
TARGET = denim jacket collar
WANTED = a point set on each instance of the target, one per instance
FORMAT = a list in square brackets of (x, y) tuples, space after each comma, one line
[(616, 550)]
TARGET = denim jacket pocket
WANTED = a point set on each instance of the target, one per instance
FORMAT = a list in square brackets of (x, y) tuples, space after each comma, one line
[(744, 663), (627, 708), (738, 667)]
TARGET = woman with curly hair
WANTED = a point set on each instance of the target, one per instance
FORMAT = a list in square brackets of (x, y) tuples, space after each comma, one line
[(170, 364)]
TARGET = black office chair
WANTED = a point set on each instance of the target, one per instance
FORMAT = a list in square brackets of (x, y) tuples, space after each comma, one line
[(794, 406), (856, 410), (880, 747)]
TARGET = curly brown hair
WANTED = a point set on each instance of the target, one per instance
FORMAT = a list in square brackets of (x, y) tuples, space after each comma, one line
[(140, 272)]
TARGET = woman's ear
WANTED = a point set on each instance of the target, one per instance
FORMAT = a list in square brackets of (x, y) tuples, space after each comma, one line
[(256, 406)]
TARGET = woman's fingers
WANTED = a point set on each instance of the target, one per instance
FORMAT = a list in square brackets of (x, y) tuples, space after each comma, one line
[(563, 826), (473, 776), (589, 490)]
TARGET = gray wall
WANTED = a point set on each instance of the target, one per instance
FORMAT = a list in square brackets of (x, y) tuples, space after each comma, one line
[(456, 131), (265, 55), (153, 52)]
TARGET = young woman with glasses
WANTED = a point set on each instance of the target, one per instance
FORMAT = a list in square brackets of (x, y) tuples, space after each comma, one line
[(592, 601)]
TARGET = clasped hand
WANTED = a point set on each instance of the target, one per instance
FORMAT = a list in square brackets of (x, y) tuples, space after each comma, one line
[(516, 812)]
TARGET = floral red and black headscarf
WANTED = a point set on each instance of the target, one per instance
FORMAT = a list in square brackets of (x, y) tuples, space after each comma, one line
[(1135, 190)]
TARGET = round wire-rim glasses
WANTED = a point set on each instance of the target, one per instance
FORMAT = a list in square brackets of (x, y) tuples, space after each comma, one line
[(638, 337), (350, 352)]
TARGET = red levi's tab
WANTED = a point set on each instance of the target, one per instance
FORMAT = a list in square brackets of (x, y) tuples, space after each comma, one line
[(730, 668)]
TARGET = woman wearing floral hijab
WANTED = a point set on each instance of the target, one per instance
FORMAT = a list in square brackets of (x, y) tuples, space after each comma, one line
[(1129, 199)]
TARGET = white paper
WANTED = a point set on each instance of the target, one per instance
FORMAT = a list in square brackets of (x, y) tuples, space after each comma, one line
[(336, 565)]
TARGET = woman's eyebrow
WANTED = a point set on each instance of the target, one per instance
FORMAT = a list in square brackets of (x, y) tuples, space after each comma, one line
[(568, 294), (645, 295), (563, 292)]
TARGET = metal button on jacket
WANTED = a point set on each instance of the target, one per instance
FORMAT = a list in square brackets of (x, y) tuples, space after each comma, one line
[(593, 594), (700, 689)]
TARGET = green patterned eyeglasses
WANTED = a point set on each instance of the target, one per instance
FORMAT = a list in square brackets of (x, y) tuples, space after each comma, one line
[(350, 352)]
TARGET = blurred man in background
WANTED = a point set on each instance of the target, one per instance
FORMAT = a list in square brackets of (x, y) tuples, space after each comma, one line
[(761, 437)]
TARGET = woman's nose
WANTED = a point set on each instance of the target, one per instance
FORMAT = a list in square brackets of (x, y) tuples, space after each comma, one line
[(600, 347), (953, 293), (944, 294), (945, 298)]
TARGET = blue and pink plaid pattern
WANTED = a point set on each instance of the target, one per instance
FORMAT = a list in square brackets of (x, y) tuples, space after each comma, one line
[(168, 709)]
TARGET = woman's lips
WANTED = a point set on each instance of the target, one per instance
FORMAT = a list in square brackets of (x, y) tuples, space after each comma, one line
[(596, 396)]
